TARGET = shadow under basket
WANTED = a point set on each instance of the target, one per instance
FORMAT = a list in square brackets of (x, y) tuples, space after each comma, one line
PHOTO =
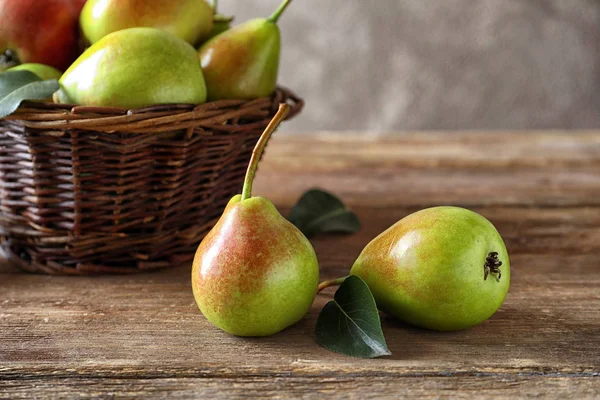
[(96, 190)]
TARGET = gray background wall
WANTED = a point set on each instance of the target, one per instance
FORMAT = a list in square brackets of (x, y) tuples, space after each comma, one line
[(390, 65)]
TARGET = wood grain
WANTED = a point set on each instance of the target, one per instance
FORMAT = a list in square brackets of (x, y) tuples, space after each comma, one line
[(143, 337), (424, 169)]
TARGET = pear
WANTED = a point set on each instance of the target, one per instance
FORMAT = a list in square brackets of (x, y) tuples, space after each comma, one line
[(135, 67), (190, 20), (44, 72), (442, 268), (39, 31), (243, 62), (255, 273), (221, 23)]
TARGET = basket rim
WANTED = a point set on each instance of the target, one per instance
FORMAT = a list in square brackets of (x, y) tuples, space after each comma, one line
[(161, 117)]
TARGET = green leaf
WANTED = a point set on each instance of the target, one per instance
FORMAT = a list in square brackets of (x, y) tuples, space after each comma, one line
[(16, 86), (12, 80), (350, 323), (318, 211)]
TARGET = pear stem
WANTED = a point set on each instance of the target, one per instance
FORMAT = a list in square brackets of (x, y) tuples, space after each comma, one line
[(283, 111), (215, 5), (275, 17), (333, 282)]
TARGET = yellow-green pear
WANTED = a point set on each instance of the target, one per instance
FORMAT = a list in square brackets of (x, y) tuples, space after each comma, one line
[(190, 20), (132, 68), (442, 268), (43, 71)]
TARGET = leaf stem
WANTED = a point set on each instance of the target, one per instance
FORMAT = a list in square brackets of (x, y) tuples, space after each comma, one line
[(333, 282), (275, 17), (283, 111)]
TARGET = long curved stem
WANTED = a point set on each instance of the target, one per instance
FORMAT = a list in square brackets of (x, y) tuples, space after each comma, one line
[(275, 17), (333, 282), (283, 111)]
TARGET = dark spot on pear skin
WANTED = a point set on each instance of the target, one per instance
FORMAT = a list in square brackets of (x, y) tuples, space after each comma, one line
[(492, 266)]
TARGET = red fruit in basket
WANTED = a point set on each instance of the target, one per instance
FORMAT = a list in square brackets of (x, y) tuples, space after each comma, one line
[(39, 31), (255, 273), (243, 62), (190, 20)]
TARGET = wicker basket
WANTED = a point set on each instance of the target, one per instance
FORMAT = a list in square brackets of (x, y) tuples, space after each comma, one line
[(88, 190)]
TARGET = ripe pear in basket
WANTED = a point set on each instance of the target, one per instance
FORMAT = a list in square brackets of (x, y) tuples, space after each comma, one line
[(129, 170), (132, 68), (39, 31), (243, 62), (190, 20), (221, 23), (42, 71)]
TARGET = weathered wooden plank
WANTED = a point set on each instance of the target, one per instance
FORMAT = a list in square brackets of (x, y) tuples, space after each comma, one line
[(424, 169), (311, 387), (151, 319)]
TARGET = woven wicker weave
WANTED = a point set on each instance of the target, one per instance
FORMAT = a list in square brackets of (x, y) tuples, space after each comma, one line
[(88, 190)]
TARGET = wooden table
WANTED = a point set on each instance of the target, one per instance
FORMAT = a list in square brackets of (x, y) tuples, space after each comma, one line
[(143, 337)]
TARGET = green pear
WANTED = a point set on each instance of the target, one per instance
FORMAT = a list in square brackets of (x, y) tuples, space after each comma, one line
[(44, 72), (243, 62), (132, 68), (221, 23), (255, 273), (443, 268), (190, 20)]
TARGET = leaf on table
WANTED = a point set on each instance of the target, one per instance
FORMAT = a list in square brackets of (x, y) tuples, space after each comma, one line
[(318, 211), (16, 86), (350, 323)]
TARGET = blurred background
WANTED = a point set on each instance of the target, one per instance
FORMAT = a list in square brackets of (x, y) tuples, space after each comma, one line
[(394, 65)]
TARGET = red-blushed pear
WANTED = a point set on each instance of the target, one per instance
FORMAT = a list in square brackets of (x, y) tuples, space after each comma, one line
[(132, 68), (243, 62), (39, 31), (190, 20), (76, 6), (255, 273), (44, 72), (442, 268)]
